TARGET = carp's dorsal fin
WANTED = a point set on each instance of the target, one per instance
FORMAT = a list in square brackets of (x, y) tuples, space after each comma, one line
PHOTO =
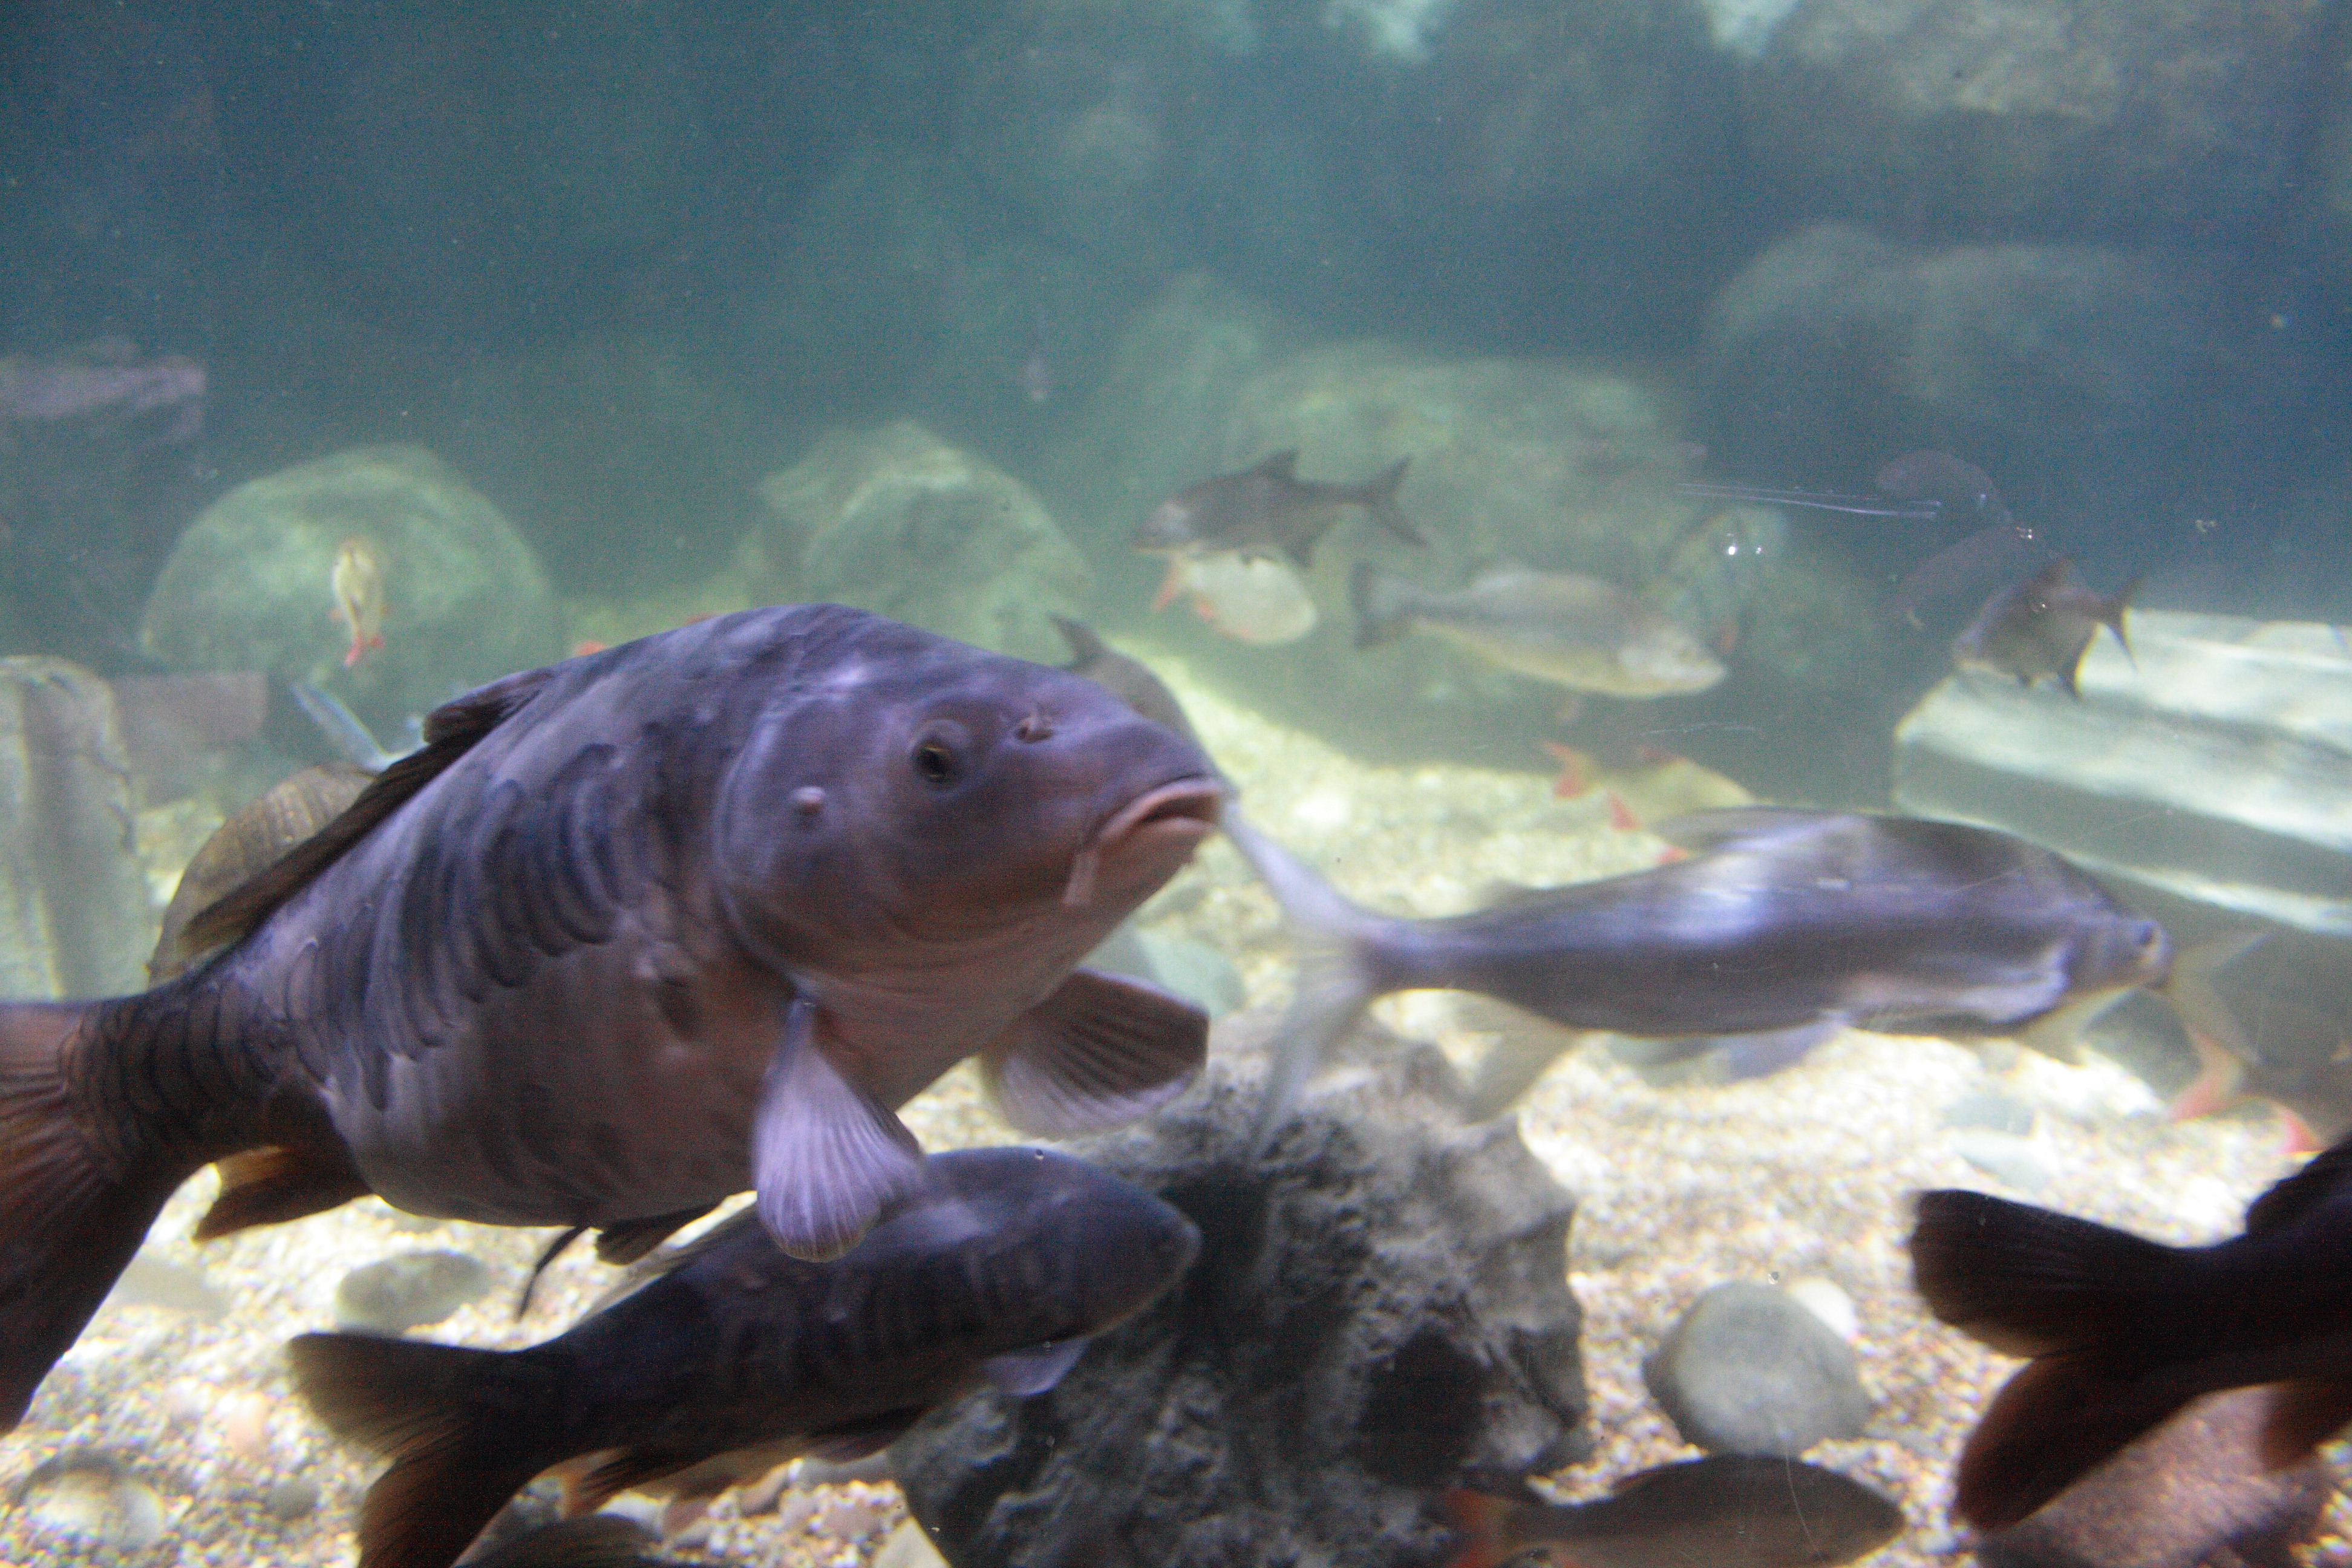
[(1101, 1050), (2327, 1175), (450, 732)]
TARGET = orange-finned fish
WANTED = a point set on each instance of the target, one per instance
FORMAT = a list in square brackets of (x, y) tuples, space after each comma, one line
[(358, 584)]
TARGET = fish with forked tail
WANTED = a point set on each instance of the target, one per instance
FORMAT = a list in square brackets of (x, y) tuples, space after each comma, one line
[(630, 935), (2042, 626), (1779, 919), (2122, 1331), (1269, 510), (1727, 1510), (739, 1357)]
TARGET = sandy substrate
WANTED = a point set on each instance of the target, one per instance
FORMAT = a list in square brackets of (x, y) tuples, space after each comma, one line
[(1806, 1174)]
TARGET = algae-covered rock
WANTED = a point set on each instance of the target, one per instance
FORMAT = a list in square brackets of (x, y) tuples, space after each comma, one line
[(74, 914), (249, 586), (898, 522), (1380, 1305)]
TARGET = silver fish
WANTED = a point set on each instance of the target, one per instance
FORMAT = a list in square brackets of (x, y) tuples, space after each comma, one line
[(1779, 918), (633, 932), (1572, 631), (739, 1357)]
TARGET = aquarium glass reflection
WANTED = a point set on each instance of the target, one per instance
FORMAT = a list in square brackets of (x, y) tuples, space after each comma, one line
[(1175, 783)]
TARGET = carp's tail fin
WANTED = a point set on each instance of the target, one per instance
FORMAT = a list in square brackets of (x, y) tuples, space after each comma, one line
[(455, 1423), (68, 1221), (1333, 942)]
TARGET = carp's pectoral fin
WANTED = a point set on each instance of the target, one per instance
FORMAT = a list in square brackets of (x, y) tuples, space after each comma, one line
[(1024, 1372), (1101, 1050), (826, 1157), (266, 1186)]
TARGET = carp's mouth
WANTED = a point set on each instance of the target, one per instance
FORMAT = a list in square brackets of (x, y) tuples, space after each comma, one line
[(1172, 819)]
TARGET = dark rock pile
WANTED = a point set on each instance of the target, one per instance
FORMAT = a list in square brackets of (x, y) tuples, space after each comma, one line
[(1380, 1307)]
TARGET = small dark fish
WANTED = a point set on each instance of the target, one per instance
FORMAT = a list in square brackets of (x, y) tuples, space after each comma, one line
[(1129, 679), (248, 844), (1779, 918), (1958, 488), (2122, 1331), (1988, 556), (2196, 1492), (632, 933), (740, 1357), (1727, 1510), (1269, 508), (1576, 632), (2041, 627)]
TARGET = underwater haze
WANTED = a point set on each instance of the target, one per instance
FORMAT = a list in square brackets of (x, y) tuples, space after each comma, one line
[(1758, 591)]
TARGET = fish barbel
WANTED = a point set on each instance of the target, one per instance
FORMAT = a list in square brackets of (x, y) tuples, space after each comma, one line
[(631, 933), (1780, 919), (740, 1357)]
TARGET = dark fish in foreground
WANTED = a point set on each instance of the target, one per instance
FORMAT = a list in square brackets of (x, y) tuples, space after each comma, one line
[(248, 844), (1577, 632), (630, 935), (1727, 1511), (598, 1541), (2193, 1493), (1780, 920), (740, 1357), (2123, 1332), (1267, 509), (2041, 627)]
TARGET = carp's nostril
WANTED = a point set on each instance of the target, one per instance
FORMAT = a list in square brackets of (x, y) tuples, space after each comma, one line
[(1035, 728)]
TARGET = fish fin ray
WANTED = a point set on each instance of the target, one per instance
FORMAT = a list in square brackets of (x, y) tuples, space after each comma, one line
[(273, 1184), (827, 1158), (1102, 1050), (1379, 497), (450, 732), (445, 1415), (2052, 1423), (631, 1239), (1736, 826), (1022, 1373), (2058, 1033), (67, 1227), (617, 1472), (1086, 646), (2029, 1281)]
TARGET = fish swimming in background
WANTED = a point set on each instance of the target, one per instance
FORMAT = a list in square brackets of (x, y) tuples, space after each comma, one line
[(357, 583), (2041, 627), (1709, 581), (2122, 1331), (2294, 1056), (1780, 920), (739, 1357), (256, 838), (632, 933), (1129, 679), (1572, 631), (1727, 1510), (104, 379), (1251, 598), (1269, 510)]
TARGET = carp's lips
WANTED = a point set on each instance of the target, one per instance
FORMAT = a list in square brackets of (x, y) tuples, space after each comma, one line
[(1170, 819)]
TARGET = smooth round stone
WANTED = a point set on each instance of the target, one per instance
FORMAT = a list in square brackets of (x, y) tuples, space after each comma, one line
[(1749, 1369), (296, 1497), (408, 1291), (86, 1496)]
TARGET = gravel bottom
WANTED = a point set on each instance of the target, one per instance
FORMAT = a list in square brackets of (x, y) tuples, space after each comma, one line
[(1806, 1174)]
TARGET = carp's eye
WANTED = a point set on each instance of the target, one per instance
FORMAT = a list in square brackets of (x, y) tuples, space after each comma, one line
[(938, 755)]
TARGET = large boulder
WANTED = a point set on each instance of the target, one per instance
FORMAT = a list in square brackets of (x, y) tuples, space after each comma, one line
[(2048, 118), (1380, 1305), (248, 587), (898, 522)]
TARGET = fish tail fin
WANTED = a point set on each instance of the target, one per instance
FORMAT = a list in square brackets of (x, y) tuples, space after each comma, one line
[(2033, 1282), (446, 1416), (2212, 1025), (1379, 497), (1380, 604), (1332, 939), (1481, 1521), (2049, 1425), (68, 1224)]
